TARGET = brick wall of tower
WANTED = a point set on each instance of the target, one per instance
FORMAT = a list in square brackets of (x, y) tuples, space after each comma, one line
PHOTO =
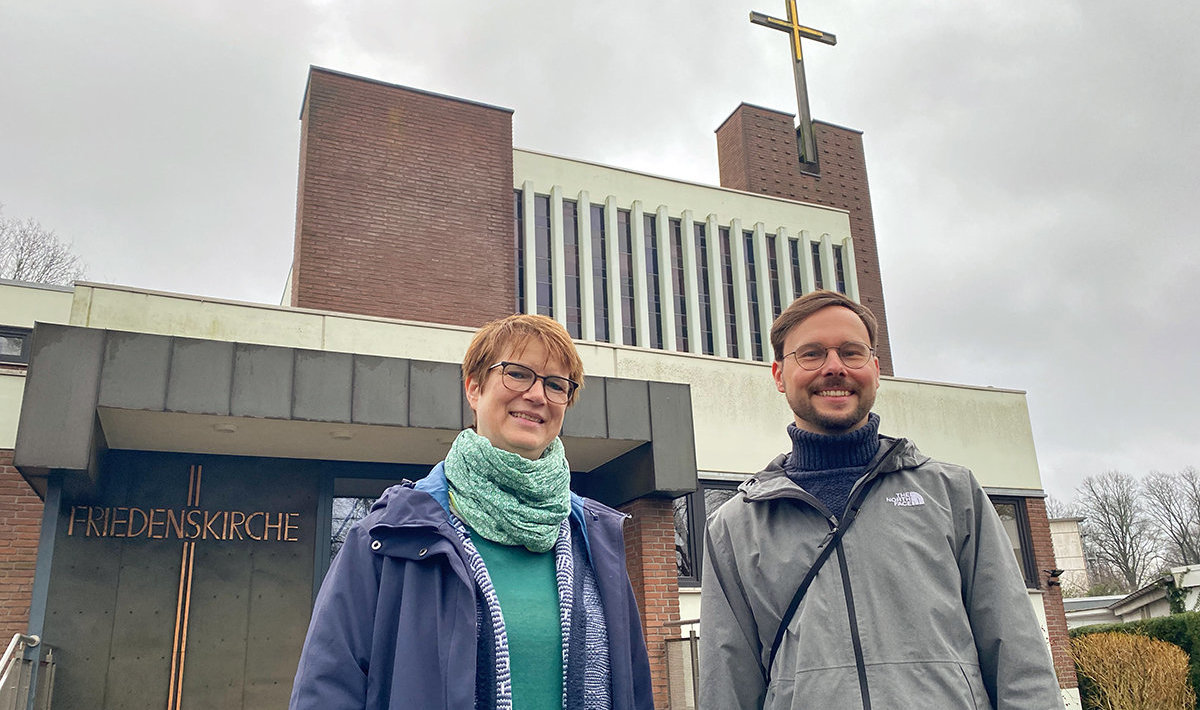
[(650, 557), (404, 204), (757, 152), (1056, 616), (20, 524)]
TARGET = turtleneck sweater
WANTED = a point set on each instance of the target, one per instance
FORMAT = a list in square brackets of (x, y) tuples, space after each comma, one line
[(827, 466)]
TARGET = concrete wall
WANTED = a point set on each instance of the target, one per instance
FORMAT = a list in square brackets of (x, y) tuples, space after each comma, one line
[(12, 386), (21, 304), (600, 181), (986, 429)]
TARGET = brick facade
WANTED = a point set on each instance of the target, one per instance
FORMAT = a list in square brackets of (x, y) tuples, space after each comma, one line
[(1056, 617), (405, 204), (20, 523), (650, 556), (757, 152)]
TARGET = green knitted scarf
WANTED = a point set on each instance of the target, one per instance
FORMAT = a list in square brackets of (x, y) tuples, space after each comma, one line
[(505, 497)]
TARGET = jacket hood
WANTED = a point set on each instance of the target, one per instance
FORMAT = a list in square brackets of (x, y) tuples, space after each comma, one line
[(773, 482)]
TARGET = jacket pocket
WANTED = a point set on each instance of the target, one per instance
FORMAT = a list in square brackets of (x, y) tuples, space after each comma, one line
[(833, 688), (974, 680), (938, 684)]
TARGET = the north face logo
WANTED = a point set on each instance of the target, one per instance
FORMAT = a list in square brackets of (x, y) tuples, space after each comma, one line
[(904, 500)]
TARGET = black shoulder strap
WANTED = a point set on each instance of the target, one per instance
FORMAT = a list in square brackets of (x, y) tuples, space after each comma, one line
[(833, 540)]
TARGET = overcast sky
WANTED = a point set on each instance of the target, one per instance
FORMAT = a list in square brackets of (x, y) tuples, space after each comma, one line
[(1033, 166)]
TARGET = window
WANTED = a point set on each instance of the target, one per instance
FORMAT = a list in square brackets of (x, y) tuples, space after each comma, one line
[(541, 254), (680, 297), (692, 513), (797, 269), (706, 324), (773, 271), (347, 511), (650, 227), (519, 246), (727, 275), (752, 298), (625, 257), (839, 268), (599, 273), (14, 345), (818, 279), (571, 268), (353, 493), (1016, 524)]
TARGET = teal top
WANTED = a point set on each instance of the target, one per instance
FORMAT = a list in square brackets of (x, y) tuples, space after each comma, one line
[(528, 592)]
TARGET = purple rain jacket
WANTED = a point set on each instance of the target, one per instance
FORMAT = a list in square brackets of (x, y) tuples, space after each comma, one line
[(394, 623)]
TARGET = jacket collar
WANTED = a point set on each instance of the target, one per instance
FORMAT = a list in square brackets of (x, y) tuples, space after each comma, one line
[(772, 482)]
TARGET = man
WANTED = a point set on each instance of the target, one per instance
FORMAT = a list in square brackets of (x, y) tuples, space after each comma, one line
[(914, 599)]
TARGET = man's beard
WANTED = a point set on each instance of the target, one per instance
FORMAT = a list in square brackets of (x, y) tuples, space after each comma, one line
[(832, 422)]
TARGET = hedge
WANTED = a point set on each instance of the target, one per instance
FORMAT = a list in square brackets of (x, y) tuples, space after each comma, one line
[(1182, 629)]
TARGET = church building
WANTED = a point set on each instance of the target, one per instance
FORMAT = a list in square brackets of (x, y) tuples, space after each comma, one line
[(176, 471)]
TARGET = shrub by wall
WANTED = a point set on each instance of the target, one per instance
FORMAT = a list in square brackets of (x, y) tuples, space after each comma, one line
[(1183, 630), (1122, 671)]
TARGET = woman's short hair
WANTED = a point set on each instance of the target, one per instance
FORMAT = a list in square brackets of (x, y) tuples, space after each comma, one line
[(512, 334), (809, 304)]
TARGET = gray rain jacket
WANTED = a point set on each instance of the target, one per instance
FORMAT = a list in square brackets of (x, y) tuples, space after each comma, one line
[(920, 605)]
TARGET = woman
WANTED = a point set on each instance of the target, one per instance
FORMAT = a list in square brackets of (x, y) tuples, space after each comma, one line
[(487, 584)]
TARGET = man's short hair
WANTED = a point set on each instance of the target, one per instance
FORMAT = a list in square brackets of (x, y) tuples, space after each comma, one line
[(809, 304), (514, 332)]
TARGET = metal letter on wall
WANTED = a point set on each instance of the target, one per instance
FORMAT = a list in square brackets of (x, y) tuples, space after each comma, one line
[(242, 572), (183, 603)]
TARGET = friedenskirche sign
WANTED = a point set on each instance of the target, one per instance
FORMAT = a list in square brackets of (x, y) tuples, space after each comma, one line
[(183, 524)]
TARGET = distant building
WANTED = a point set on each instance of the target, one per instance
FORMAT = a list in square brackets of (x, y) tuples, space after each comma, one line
[(1151, 600), (1147, 602), (1068, 552), (1086, 611)]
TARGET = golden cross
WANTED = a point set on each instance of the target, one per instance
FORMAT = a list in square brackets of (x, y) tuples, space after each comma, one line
[(807, 143)]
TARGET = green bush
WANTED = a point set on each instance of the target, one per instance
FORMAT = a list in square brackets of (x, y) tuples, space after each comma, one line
[(1183, 630)]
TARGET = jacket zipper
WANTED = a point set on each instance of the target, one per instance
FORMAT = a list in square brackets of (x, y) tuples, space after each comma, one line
[(855, 637), (856, 495)]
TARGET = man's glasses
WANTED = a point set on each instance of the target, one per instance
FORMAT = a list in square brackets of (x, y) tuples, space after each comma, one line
[(852, 354), (519, 378)]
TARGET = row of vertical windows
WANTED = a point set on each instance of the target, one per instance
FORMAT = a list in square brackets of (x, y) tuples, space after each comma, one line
[(689, 323)]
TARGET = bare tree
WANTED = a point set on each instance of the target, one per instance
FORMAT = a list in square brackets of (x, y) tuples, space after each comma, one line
[(30, 252), (1056, 508), (1118, 533), (1173, 503)]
